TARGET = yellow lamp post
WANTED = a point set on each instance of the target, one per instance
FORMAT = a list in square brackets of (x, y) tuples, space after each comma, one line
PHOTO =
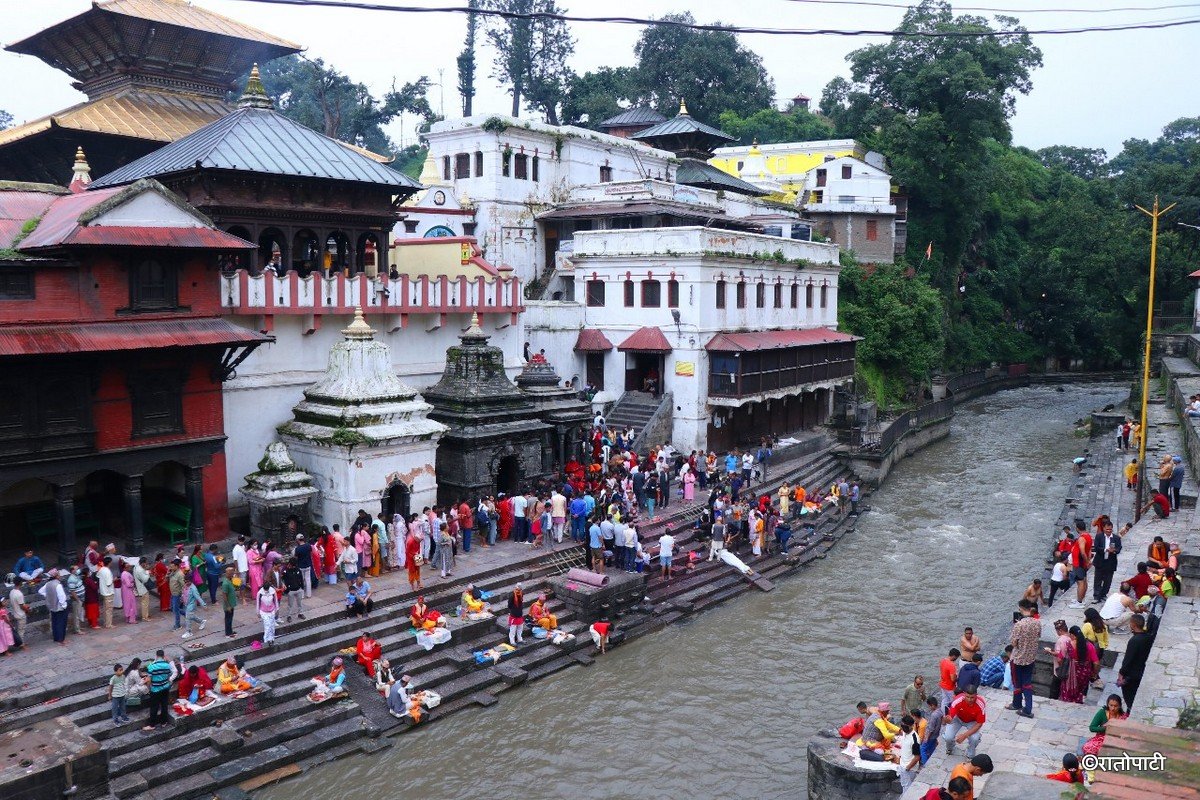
[(1153, 215)]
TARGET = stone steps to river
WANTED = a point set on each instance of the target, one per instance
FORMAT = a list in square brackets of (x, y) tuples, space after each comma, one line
[(286, 732)]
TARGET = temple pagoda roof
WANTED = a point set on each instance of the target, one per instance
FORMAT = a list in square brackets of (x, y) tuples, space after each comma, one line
[(169, 42), (255, 138), (684, 135), (638, 115)]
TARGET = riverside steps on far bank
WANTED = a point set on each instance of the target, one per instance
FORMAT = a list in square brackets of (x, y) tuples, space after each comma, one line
[(1025, 750), (279, 733)]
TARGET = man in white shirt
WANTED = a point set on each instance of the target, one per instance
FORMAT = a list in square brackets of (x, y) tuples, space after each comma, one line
[(666, 551), (718, 539), (747, 467), (105, 577), (17, 609), (520, 524), (558, 514)]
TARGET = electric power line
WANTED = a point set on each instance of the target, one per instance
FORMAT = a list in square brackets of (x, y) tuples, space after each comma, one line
[(905, 6), (368, 6)]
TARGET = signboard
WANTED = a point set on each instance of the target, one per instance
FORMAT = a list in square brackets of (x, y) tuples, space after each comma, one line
[(685, 369), (467, 252)]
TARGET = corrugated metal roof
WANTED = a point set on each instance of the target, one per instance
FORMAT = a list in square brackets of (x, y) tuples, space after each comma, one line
[(61, 225), (34, 340), (591, 340), (16, 208), (157, 116), (638, 115), (264, 141), (682, 125), (186, 15), (646, 340), (694, 172), (747, 341)]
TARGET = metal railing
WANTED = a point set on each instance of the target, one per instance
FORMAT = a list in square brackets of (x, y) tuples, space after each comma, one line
[(885, 438)]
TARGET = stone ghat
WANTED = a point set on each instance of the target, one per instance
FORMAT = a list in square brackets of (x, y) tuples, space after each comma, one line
[(279, 733)]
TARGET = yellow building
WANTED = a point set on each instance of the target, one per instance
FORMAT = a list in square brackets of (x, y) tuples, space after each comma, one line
[(784, 165)]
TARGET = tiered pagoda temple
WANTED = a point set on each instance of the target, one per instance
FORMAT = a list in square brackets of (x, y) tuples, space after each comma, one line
[(496, 440), (153, 72)]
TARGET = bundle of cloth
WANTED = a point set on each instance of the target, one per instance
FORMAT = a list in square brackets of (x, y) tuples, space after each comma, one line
[(494, 655), (330, 685)]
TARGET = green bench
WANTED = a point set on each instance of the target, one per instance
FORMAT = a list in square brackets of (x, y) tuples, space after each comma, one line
[(172, 519), (40, 522)]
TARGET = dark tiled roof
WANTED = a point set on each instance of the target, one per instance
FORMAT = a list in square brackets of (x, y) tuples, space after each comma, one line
[(264, 141), (694, 172), (682, 125), (638, 115)]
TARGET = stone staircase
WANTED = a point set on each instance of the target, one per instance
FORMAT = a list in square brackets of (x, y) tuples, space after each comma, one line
[(278, 732), (632, 410)]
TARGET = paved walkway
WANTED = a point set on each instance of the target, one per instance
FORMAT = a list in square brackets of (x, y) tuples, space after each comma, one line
[(45, 664)]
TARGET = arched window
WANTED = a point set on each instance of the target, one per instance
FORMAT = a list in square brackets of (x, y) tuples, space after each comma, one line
[(808, 296), (672, 293), (760, 295), (740, 294), (651, 294), (629, 294), (824, 296), (720, 294)]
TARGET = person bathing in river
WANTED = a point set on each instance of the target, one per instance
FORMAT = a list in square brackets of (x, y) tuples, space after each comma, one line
[(969, 644)]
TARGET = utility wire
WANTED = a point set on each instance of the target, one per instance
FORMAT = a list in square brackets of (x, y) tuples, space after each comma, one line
[(369, 6), (906, 6)]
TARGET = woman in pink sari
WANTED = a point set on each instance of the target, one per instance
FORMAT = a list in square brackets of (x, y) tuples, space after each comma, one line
[(7, 640), (255, 559), (1081, 661), (128, 596), (689, 485)]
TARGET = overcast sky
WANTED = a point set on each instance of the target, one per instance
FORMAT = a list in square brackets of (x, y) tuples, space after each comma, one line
[(1094, 90)]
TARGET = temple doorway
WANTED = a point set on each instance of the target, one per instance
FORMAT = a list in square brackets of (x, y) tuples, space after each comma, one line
[(397, 500), (508, 474)]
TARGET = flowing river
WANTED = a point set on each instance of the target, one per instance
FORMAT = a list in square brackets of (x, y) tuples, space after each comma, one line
[(724, 704)]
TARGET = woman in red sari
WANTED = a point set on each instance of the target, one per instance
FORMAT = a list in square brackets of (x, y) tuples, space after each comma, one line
[(504, 523), (1082, 660), (330, 549), (161, 571)]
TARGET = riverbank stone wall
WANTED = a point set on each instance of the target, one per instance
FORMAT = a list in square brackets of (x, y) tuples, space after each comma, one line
[(832, 775), (50, 760)]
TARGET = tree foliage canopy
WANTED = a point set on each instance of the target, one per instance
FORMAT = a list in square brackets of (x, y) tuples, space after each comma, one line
[(328, 101), (768, 126), (6, 119), (531, 54)]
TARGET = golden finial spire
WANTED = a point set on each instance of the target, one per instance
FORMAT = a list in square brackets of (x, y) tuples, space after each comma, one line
[(82, 173), (255, 95), (682, 107)]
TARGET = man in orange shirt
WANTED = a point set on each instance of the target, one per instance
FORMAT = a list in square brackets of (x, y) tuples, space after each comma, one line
[(949, 676), (969, 770)]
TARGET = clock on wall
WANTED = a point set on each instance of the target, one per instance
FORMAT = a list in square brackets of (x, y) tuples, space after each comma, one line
[(439, 198)]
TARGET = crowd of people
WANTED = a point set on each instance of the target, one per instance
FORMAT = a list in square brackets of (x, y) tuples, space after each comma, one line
[(954, 714)]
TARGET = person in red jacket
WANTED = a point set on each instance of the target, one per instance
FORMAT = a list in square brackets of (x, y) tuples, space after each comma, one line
[(368, 652), (195, 678)]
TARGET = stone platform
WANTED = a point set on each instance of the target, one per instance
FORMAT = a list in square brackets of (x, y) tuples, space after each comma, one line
[(52, 758)]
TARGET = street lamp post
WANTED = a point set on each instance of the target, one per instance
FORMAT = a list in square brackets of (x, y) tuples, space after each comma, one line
[(1154, 215)]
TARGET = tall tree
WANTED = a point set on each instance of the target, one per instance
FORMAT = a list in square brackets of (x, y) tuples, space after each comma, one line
[(466, 61), (935, 103), (710, 70), (1083, 162), (6, 119), (532, 49), (595, 96), (326, 100)]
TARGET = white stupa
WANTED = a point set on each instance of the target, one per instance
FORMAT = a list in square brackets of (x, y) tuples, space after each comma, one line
[(362, 433)]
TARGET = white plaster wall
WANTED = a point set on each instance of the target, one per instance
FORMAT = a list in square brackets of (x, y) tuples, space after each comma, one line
[(272, 380), (150, 210)]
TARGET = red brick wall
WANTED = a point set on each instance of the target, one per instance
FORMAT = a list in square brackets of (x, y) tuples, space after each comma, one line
[(202, 410), (216, 505), (94, 290)]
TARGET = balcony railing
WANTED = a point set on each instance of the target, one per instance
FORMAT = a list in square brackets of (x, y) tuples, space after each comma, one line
[(268, 293), (726, 384)]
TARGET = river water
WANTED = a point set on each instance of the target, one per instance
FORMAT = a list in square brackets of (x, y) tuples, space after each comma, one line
[(724, 704)]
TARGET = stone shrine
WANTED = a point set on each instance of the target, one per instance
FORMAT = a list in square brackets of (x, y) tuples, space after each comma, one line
[(496, 441), (558, 405), (363, 434), (276, 493)]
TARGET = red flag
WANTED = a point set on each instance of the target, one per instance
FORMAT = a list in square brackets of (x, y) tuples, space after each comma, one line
[(929, 251)]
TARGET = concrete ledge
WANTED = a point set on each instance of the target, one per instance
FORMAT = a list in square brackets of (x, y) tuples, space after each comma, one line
[(1011, 786), (832, 776)]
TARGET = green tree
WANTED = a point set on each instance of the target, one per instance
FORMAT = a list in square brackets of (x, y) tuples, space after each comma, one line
[(6, 119), (531, 54), (466, 60), (768, 126), (899, 316), (328, 101), (1083, 162), (710, 70), (596, 96), (935, 103)]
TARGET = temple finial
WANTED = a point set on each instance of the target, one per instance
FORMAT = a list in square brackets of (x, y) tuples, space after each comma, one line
[(682, 107), (255, 95), (82, 174), (358, 327)]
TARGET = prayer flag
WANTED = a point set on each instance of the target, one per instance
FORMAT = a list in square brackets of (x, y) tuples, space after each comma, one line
[(929, 251)]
